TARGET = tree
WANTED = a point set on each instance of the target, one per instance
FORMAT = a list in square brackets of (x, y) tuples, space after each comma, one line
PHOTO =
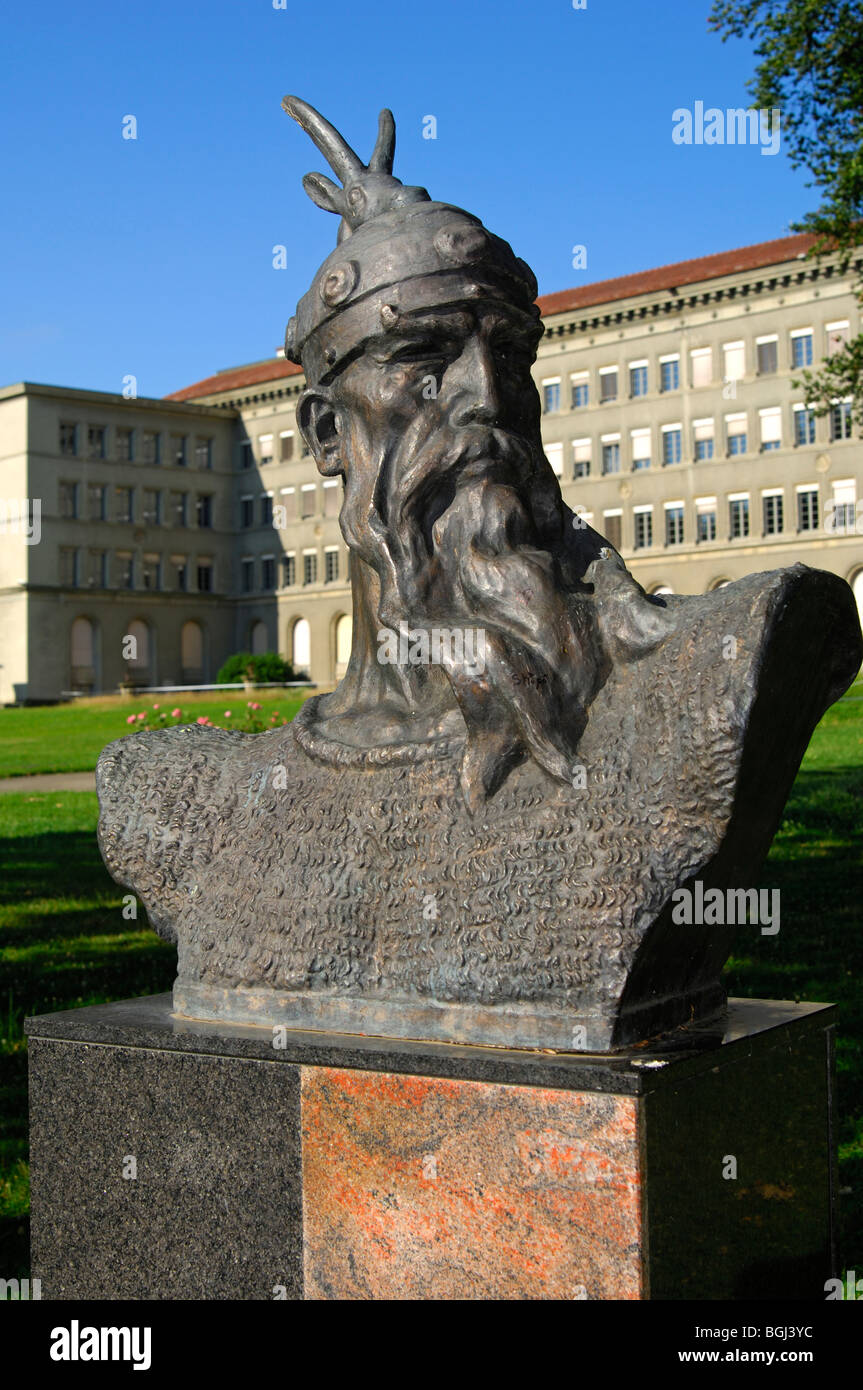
[(810, 66)]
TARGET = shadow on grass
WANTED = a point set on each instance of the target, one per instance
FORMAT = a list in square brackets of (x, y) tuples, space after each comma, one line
[(65, 944), (816, 862)]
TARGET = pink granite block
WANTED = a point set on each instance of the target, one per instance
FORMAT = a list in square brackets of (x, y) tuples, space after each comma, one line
[(434, 1188)]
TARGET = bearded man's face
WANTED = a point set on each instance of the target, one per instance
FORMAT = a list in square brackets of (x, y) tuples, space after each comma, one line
[(451, 500)]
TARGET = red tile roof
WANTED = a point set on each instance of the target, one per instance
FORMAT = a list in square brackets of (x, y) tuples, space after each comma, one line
[(234, 378), (664, 277)]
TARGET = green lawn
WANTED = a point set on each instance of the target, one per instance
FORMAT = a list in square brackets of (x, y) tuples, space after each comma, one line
[(64, 943), (69, 738)]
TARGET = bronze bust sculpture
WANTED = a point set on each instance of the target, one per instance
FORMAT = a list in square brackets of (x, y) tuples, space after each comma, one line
[(480, 844)]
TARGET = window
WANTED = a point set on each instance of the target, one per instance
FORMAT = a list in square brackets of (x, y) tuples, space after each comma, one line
[(124, 499), (703, 440), (837, 335), (95, 441), (268, 572), (69, 569), (842, 508), (705, 519), (179, 573), (640, 448), (331, 564), (580, 382), (68, 501), (610, 453), (150, 447), (247, 575), (738, 516), (179, 508), (734, 361), (735, 426), (612, 526), (205, 576), (97, 569), (289, 570), (551, 395), (124, 444), (177, 447), (766, 351), (638, 378), (246, 459), (671, 444), (151, 507), (840, 420), (286, 445), (310, 567), (607, 384), (151, 572), (801, 347), (669, 373), (581, 458), (554, 454), (267, 510), (702, 366), (807, 508), (673, 523), (204, 510), (307, 500), (771, 428), (68, 439), (773, 508), (125, 570), (331, 497), (247, 512), (289, 503), (265, 448), (804, 425), (643, 518), (203, 453)]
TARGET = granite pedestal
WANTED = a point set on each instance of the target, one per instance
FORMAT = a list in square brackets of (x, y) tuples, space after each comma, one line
[(174, 1160)]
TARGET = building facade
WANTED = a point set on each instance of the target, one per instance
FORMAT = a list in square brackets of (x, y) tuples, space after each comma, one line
[(670, 415)]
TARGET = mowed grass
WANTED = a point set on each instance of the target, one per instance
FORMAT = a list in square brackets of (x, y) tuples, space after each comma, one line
[(64, 942), (69, 738)]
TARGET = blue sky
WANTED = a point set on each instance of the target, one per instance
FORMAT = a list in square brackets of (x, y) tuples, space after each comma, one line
[(154, 256)]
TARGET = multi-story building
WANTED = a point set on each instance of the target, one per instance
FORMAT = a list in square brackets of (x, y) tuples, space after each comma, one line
[(670, 415), (116, 544)]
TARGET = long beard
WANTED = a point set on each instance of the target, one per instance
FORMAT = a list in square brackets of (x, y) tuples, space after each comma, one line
[(466, 530)]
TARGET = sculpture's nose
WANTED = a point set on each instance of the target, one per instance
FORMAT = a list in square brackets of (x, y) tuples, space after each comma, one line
[(473, 378)]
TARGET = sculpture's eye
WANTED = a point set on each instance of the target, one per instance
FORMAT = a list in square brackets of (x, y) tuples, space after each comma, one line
[(511, 352), (425, 350)]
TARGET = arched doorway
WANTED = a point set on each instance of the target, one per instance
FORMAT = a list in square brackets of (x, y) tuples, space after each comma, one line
[(192, 653), (344, 633), (259, 643), (856, 583), (717, 584), (137, 652), (82, 655), (659, 590), (301, 646)]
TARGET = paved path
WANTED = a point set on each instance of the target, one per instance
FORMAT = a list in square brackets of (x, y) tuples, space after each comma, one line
[(51, 782)]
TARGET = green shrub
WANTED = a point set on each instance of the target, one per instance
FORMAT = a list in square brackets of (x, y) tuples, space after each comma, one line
[(268, 666)]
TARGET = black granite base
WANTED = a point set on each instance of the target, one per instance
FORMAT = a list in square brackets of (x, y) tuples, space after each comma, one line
[(213, 1117)]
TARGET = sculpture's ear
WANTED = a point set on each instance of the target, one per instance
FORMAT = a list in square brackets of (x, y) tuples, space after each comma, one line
[(324, 192), (316, 419)]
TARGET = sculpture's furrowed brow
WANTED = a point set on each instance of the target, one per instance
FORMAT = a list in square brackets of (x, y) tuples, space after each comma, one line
[(509, 319)]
